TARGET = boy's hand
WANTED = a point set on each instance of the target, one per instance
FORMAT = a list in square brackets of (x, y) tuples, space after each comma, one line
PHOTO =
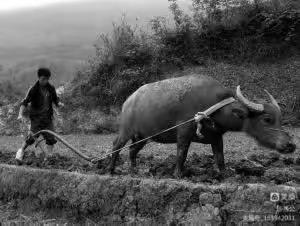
[(21, 116), (22, 119), (60, 104)]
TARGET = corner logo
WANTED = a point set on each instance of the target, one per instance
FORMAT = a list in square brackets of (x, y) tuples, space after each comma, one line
[(274, 197)]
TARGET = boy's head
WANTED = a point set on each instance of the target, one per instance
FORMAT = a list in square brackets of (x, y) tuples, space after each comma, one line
[(43, 74)]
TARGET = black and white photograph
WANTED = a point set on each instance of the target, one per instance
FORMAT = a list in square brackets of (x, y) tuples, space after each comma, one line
[(150, 112)]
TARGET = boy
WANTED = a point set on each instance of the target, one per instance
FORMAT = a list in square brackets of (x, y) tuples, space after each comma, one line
[(41, 96)]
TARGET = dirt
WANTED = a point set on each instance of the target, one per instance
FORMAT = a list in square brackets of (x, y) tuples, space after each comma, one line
[(246, 163), (264, 168)]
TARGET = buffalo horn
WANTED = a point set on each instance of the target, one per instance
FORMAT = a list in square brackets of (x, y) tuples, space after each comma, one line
[(248, 103), (273, 100)]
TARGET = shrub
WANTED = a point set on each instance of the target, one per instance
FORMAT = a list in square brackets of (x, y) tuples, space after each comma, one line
[(9, 93), (231, 30), (235, 31), (124, 60)]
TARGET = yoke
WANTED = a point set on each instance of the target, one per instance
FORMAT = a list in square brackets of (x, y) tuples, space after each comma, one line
[(205, 114)]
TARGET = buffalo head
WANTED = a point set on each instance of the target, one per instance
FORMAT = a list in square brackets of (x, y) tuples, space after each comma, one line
[(263, 122)]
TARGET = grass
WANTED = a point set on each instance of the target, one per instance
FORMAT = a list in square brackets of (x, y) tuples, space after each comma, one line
[(130, 57)]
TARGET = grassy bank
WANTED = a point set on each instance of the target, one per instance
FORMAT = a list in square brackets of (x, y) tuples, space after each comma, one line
[(126, 199)]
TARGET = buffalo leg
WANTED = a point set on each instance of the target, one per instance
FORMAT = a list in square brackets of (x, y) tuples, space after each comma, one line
[(184, 138), (118, 143), (134, 151), (217, 148)]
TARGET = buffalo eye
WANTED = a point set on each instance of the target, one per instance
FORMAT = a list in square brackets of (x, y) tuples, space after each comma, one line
[(267, 120)]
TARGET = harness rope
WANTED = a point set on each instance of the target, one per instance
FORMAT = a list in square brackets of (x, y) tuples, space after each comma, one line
[(198, 117)]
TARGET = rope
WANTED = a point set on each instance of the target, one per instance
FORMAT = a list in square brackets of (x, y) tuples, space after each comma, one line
[(147, 138), (38, 142), (198, 117)]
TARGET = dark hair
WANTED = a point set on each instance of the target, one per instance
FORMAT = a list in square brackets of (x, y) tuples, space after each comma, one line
[(44, 72)]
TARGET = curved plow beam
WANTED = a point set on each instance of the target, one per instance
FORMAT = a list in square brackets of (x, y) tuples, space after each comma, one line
[(75, 150)]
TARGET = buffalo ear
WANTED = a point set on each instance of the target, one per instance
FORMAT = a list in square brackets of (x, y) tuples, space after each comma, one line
[(239, 113)]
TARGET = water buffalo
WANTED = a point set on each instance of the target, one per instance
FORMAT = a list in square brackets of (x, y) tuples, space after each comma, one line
[(163, 104)]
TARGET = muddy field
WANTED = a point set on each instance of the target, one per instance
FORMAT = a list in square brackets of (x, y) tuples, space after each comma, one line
[(262, 168), (245, 160)]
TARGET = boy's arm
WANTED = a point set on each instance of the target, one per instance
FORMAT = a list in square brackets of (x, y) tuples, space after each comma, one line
[(57, 103), (21, 112), (24, 103), (55, 97), (27, 98)]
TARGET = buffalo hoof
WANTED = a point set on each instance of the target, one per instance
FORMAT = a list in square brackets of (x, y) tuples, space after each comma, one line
[(112, 172), (19, 162), (133, 171), (115, 172), (219, 168), (220, 173), (178, 174)]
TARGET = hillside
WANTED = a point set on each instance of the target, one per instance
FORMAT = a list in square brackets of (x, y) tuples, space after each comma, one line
[(255, 46), (66, 31), (61, 36)]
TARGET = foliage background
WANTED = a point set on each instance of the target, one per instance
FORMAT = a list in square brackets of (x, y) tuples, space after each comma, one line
[(251, 43)]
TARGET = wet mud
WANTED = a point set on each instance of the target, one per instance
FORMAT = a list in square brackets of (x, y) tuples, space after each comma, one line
[(263, 168)]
